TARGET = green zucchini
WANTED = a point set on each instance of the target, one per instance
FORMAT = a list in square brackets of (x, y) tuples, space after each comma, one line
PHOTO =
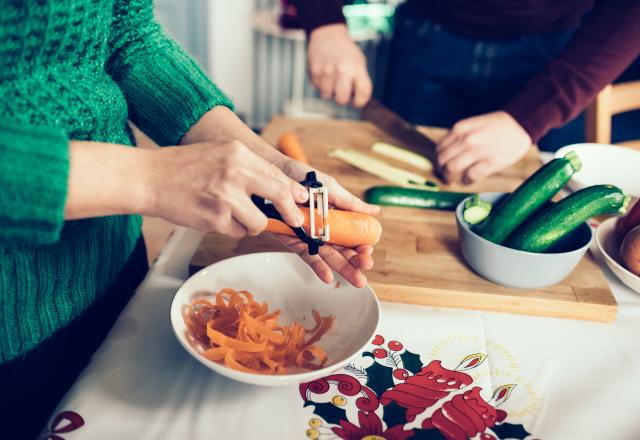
[(402, 155), (414, 198), (532, 194), (553, 223), (476, 210)]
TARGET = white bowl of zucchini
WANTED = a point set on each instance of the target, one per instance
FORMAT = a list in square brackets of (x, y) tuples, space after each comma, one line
[(524, 239), (517, 268)]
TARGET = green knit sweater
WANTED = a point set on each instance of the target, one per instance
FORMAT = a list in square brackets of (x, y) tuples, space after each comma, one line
[(76, 70)]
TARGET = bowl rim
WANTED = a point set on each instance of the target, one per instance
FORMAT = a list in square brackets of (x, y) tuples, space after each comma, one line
[(258, 378), (460, 220), (600, 245), (560, 152), (578, 180)]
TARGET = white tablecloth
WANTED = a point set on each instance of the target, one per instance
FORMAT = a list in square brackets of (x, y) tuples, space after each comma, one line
[(552, 378)]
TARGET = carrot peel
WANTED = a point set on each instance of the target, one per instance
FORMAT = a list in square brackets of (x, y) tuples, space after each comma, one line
[(244, 335)]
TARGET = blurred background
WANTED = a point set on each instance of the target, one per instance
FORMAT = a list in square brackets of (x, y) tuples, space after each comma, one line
[(254, 50)]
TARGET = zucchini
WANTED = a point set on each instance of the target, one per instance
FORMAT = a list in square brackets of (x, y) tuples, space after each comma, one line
[(532, 194), (429, 185), (402, 155), (553, 223), (414, 198), (476, 210), (379, 168)]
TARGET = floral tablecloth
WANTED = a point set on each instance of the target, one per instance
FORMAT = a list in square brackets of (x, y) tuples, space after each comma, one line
[(430, 373)]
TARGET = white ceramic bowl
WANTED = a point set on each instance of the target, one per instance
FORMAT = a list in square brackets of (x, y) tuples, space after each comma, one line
[(605, 164), (608, 245), (515, 268), (287, 283)]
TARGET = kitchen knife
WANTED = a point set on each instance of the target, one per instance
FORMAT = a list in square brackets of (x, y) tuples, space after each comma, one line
[(395, 126)]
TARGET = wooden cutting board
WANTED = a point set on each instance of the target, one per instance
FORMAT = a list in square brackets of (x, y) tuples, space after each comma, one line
[(418, 260)]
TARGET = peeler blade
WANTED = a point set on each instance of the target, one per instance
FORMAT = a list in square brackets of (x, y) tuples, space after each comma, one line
[(319, 208)]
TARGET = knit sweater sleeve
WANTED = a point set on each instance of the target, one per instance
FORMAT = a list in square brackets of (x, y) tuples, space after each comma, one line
[(165, 89), (34, 169)]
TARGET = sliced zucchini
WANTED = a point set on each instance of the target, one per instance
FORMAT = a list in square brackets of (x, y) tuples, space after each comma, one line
[(402, 155), (378, 167), (476, 210)]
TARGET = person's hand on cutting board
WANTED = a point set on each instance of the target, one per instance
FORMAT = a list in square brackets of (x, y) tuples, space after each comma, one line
[(337, 66), (482, 145), (221, 123)]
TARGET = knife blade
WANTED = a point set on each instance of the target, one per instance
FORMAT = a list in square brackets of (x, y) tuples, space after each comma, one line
[(398, 128)]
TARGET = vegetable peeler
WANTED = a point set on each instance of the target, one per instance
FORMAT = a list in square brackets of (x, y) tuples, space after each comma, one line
[(317, 235)]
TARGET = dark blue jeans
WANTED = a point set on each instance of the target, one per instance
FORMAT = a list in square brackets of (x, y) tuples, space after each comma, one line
[(437, 77)]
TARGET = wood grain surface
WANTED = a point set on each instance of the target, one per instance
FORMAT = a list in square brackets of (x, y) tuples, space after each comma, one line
[(418, 259)]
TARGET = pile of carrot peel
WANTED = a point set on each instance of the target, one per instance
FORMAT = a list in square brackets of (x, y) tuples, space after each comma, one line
[(244, 335)]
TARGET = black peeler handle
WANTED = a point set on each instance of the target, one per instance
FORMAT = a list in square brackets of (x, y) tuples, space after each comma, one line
[(271, 212)]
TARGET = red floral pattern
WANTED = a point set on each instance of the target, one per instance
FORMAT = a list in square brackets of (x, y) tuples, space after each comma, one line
[(465, 416), (390, 383), (423, 390), (347, 385), (63, 423), (370, 424)]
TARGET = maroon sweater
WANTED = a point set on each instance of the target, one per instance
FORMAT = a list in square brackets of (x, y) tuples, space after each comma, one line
[(606, 42)]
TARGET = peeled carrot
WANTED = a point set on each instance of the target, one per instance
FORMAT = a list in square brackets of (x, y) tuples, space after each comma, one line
[(290, 145), (346, 228), (242, 333)]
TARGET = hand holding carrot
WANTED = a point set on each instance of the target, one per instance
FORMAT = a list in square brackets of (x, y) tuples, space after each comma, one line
[(221, 124), (346, 261)]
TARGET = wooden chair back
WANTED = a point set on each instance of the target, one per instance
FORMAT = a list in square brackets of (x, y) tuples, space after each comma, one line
[(613, 99)]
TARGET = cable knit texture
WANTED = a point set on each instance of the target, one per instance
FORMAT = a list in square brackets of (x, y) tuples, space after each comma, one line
[(76, 69)]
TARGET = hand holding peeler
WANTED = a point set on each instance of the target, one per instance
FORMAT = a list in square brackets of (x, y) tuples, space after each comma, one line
[(318, 234)]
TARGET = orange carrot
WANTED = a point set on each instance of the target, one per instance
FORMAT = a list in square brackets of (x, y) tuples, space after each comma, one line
[(290, 145), (242, 333), (346, 228)]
